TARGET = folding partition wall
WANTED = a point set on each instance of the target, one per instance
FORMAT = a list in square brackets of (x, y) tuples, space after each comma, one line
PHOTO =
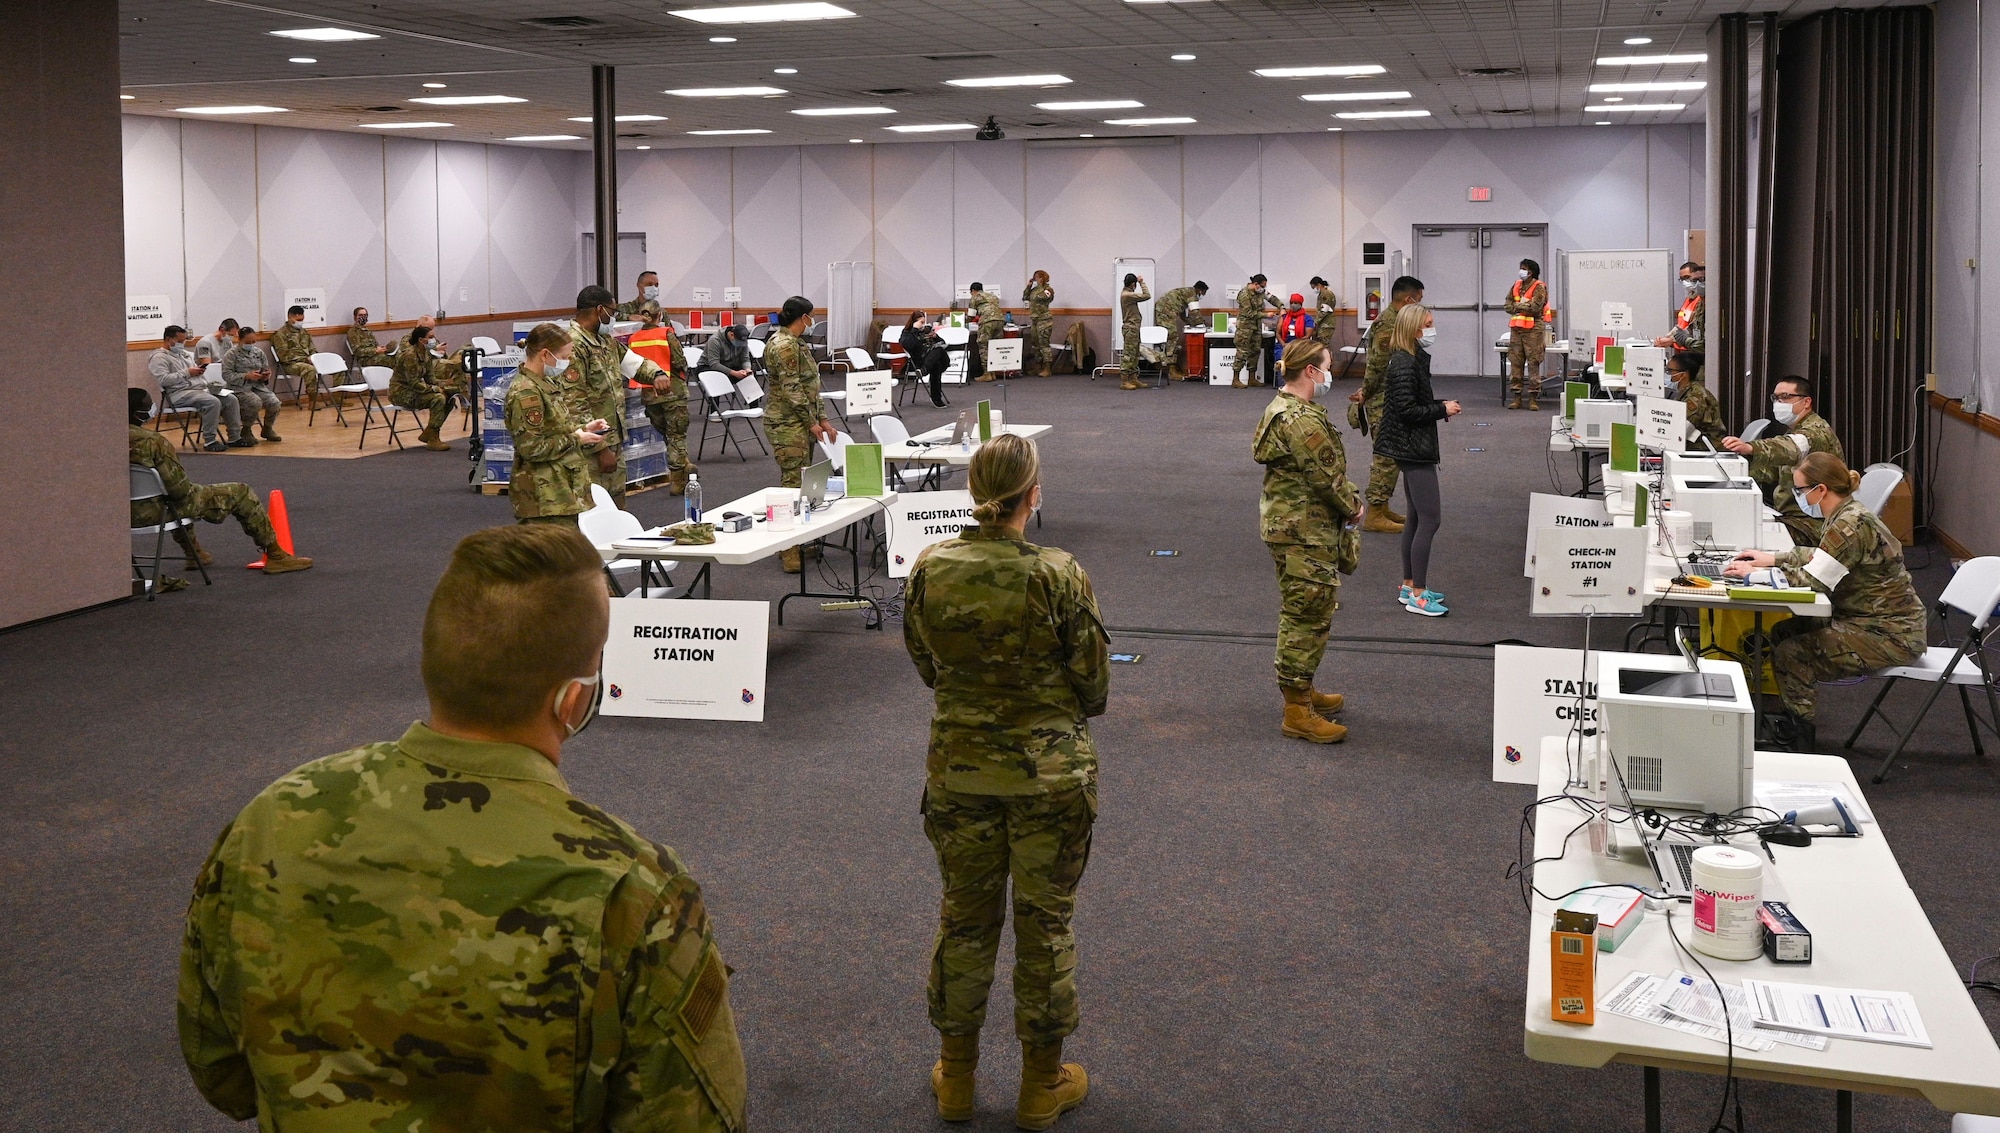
[(850, 304)]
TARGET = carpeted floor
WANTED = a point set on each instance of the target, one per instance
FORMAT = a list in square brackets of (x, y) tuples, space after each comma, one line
[(1274, 935)]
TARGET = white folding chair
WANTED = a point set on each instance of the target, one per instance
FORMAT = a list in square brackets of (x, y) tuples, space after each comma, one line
[(725, 405), (146, 485), (693, 356), (283, 381), (756, 348), (604, 523), (1754, 429), (955, 339), (1154, 336), (329, 367), (836, 453), (890, 430), (375, 384), (485, 345), (1877, 482), (1975, 592)]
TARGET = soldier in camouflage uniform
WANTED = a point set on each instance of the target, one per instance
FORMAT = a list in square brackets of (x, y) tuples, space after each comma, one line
[(1129, 299), (595, 385), (1170, 310), (1008, 636), (1773, 456), (550, 481), (1704, 413), (247, 374), (1878, 620), (361, 344), (1527, 300), (210, 503), (1306, 512), (991, 322), (434, 933), (1691, 321), (1373, 396), (1038, 295), (415, 388), (665, 398), (794, 415), (1326, 313), (293, 344), (646, 307), (1250, 304)]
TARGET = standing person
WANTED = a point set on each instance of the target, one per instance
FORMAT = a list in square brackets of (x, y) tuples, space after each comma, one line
[(434, 933), (596, 387), (1038, 295), (1306, 516), (551, 479), (645, 306), (1381, 517), (415, 387), (1326, 310), (1773, 455), (1250, 304), (1295, 323), (246, 374), (926, 353), (1691, 321), (794, 415), (1704, 413), (293, 344), (665, 398), (992, 322), (1129, 299), (1008, 636), (210, 503), (183, 387), (1878, 620), (1527, 302), (1408, 435), (1170, 310), (362, 346)]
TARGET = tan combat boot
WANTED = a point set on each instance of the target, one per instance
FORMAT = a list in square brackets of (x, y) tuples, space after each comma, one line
[(276, 561), (1050, 1087), (432, 441), (197, 557), (1130, 384), (951, 1078), (1302, 723), (789, 560), (1534, 401), (677, 482), (1327, 703), (1390, 513), (1236, 382), (1378, 522), (1516, 403)]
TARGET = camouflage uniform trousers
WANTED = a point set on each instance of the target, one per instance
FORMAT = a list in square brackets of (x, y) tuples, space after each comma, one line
[(1308, 594), (1128, 352), (252, 400), (792, 446), (1173, 355), (213, 503), (1381, 469), (1808, 651), (1248, 342), (975, 362), (1525, 347), (671, 419), (1805, 530), (1039, 333), (565, 520), (307, 375), (1043, 843), (435, 403)]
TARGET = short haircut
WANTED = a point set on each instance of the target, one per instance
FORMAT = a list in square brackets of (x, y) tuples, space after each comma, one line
[(1408, 327), (139, 403), (978, 287), (1259, 278), (1691, 266), (1689, 361), (519, 611), (171, 331), (595, 296), (795, 308), (294, 309), (545, 336), (1805, 385), (647, 272), (227, 325), (1534, 269), (1131, 278), (355, 311), (1405, 286), (1200, 287)]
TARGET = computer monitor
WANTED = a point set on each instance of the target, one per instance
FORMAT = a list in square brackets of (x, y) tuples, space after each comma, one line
[(812, 483), (1595, 416), (1725, 511), (1684, 739)]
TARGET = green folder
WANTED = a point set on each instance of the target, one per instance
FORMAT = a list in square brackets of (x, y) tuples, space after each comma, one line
[(864, 471), (1614, 361), (985, 421), (1639, 500), (1624, 447), (1220, 321), (1771, 594), (1573, 392)]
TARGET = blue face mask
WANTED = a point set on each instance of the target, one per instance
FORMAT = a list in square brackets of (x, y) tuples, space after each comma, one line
[(1810, 508)]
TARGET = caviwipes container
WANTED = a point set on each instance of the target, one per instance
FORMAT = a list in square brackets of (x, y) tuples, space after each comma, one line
[(1728, 888)]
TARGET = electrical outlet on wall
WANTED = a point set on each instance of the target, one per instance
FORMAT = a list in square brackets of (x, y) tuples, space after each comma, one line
[(465, 295), (1930, 382)]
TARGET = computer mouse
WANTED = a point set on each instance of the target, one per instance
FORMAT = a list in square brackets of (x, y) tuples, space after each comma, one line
[(1788, 834)]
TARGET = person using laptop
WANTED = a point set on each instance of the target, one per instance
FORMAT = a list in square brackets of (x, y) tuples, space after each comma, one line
[(1704, 413), (1878, 620)]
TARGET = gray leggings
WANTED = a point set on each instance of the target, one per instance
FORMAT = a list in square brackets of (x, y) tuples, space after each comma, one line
[(1420, 495)]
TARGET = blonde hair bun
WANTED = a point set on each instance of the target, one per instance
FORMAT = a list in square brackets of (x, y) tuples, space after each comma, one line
[(1002, 473)]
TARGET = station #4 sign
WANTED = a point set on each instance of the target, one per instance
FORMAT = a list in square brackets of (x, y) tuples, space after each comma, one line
[(686, 660)]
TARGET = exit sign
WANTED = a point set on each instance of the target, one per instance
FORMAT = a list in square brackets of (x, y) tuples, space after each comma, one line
[(1479, 193)]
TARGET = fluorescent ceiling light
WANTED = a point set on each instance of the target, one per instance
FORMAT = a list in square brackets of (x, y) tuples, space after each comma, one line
[(1098, 104), (642, 147), (933, 128), (784, 70), (839, 111), (1183, 57), (403, 125), (1600, 123), (1357, 96), (1638, 41), (1333, 129), (126, 97), (433, 86), (1363, 115), (1146, 121), (854, 141), (1648, 60), (302, 59), (724, 92), (722, 39), (722, 133), (465, 99), (232, 110), (763, 13), (326, 35), (1319, 72), (1636, 106), (545, 138), (1613, 98), (627, 118), (1606, 87), (1010, 81)]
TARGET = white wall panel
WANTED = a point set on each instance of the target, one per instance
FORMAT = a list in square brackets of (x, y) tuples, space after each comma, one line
[(153, 234), (1300, 176), (319, 217), (838, 214), (1223, 205), (680, 200), (411, 266), (913, 226), (464, 250), (219, 222), (989, 238), (535, 253), (1088, 207), (769, 225)]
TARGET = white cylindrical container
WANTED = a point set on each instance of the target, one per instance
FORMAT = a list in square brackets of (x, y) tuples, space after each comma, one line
[(1677, 533), (781, 508), (998, 427), (1728, 889)]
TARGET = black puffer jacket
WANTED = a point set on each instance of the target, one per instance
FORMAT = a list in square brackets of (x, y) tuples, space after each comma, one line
[(1408, 430)]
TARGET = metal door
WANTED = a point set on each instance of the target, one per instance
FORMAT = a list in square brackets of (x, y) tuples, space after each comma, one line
[(631, 261), (1467, 270)]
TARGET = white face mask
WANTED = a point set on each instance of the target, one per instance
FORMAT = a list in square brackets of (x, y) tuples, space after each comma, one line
[(650, 292), (1693, 286), (1783, 413), (554, 367), (1810, 508), (1322, 383), (1429, 338), (1522, 274), (596, 685)]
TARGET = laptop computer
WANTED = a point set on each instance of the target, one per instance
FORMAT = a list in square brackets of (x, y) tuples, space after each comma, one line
[(812, 484)]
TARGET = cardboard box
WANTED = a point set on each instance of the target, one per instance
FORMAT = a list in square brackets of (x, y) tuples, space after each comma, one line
[(1573, 968)]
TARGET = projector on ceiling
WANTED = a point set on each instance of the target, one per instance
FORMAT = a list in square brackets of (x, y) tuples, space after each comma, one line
[(991, 132)]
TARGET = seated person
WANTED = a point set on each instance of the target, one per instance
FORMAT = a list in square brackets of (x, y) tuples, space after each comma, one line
[(183, 386), (1704, 413), (1773, 455), (1294, 323), (247, 373), (1878, 620), (449, 369), (210, 503), (361, 344), (415, 387), (928, 355), (213, 347), (293, 344), (728, 351)]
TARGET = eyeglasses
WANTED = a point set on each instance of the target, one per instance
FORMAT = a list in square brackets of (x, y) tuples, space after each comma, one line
[(1787, 398)]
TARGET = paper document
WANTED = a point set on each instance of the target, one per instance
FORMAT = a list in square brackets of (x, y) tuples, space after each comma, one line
[(1782, 796), (1643, 996), (1693, 998), (1842, 1012)]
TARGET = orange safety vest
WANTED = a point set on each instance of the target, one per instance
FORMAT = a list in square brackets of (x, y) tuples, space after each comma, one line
[(1685, 318), (654, 347), (1515, 294)]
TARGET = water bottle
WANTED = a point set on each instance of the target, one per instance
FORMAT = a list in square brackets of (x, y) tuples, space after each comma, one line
[(692, 498)]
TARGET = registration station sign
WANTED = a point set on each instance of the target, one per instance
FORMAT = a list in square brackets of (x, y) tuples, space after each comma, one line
[(918, 519), (686, 660)]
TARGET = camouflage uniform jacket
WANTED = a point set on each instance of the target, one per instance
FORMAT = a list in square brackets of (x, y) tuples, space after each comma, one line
[(241, 362), (363, 347), (1694, 336), (1772, 458), (1008, 636), (1858, 565), (434, 934), (1170, 309), (1128, 304), (1250, 305), (151, 450), (640, 309), (1038, 300), (415, 375), (595, 382), (1376, 374), (551, 475), (986, 309), (1704, 413), (293, 344), (1325, 307), (1307, 495), (793, 400)]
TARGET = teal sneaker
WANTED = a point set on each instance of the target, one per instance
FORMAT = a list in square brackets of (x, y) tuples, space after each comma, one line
[(1403, 598), (1429, 603)]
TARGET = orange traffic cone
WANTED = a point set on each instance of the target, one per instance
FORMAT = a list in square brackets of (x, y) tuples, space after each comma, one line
[(280, 522)]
